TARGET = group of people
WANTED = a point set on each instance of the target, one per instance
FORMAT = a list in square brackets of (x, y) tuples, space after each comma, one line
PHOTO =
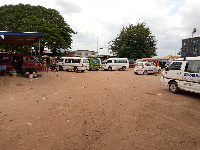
[(46, 66)]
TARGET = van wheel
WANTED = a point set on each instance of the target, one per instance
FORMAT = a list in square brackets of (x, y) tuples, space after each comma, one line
[(123, 68), (145, 72), (76, 70), (109, 68), (159, 71), (173, 87)]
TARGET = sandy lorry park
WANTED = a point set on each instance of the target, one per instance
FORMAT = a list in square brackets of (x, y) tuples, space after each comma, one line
[(96, 110)]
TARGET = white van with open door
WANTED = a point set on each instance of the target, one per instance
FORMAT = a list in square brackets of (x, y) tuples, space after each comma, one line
[(183, 74), (115, 64), (73, 64)]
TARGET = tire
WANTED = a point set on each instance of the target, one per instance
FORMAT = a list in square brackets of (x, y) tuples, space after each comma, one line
[(136, 72), (76, 70), (173, 87), (159, 71), (123, 68), (82, 70), (145, 72), (109, 68)]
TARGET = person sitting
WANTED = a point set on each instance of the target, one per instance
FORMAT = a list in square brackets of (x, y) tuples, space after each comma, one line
[(23, 69), (31, 70)]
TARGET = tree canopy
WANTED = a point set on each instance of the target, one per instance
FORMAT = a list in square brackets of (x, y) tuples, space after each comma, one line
[(134, 41), (27, 18)]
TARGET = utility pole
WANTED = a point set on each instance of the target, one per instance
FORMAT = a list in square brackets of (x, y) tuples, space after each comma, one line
[(97, 45)]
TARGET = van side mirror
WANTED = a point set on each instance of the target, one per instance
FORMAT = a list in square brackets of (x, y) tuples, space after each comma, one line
[(166, 68)]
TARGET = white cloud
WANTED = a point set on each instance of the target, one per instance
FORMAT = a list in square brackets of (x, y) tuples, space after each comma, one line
[(169, 20)]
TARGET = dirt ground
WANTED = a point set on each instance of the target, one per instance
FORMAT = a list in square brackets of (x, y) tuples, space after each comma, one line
[(96, 110)]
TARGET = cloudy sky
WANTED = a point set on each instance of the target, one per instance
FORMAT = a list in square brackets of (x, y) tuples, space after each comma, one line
[(99, 21)]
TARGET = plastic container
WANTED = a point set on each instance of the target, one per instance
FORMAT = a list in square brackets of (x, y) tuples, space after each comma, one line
[(30, 76), (14, 74)]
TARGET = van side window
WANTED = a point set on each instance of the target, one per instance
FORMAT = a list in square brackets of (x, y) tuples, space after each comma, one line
[(123, 61), (85, 61), (76, 60), (67, 60), (109, 61), (4, 59), (193, 67), (30, 59), (175, 66)]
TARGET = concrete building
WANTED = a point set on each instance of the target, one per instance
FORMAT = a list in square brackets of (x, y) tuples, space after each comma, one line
[(81, 53), (190, 47)]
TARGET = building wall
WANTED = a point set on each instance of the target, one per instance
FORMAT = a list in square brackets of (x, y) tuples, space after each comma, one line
[(190, 47), (80, 53), (85, 53)]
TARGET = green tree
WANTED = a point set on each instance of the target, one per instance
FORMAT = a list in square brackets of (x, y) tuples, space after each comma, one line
[(134, 42), (27, 18)]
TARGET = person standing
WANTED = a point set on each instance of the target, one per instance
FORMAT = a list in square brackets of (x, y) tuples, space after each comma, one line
[(44, 64)]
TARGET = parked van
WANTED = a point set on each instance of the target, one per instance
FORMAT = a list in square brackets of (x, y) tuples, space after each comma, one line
[(94, 63), (183, 74), (15, 61), (73, 64), (115, 64)]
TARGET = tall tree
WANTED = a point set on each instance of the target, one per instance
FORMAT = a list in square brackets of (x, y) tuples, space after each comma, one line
[(27, 18), (134, 41)]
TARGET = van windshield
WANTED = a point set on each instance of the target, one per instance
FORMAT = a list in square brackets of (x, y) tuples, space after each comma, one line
[(95, 61), (104, 62), (60, 60)]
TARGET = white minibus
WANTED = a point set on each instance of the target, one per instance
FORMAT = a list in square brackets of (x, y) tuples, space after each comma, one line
[(115, 64), (183, 74), (73, 64)]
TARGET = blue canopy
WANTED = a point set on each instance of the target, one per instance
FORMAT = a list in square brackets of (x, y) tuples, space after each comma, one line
[(29, 38)]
